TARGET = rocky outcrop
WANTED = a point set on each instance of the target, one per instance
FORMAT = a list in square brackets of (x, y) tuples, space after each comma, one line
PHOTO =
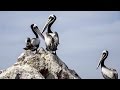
[(40, 65)]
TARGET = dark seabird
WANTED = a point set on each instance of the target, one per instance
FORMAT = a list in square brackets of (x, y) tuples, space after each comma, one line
[(51, 38), (108, 73), (33, 44)]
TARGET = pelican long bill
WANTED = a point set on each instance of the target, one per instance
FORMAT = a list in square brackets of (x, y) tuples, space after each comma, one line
[(47, 23)]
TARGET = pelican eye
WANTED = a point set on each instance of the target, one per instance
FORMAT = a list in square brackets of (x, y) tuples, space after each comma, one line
[(104, 53), (50, 17), (35, 27)]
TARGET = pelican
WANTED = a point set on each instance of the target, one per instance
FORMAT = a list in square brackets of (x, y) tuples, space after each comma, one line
[(108, 73), (51, 38), (33, 44)]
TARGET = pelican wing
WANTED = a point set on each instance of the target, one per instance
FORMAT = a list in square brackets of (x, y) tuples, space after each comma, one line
[(109, 73), (105, 76), (35, 41), (116, 75), (56, 39)]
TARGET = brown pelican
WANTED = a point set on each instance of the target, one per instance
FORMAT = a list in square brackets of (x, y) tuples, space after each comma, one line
[(33, 44), (51, 38), (108, 73)]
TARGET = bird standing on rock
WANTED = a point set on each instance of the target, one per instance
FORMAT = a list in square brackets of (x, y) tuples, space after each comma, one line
[(33, 44), (51, 38)]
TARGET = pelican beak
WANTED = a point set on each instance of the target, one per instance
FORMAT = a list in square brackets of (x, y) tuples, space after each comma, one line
[(47, 23), (99, 64), (37, 30), (101, 59)]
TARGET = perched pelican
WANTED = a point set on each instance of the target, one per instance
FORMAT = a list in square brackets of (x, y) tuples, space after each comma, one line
[(107, 73), (33, 44), (51, 38)]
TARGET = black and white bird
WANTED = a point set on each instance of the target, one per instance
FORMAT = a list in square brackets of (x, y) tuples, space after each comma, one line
[(33, 44), (51, 38), (107, 73)]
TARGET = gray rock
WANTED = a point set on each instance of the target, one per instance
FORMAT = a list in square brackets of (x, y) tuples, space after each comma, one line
[(41, 65)]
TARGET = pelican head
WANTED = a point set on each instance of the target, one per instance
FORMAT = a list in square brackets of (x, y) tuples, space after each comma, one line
[(35, 29), (52, 16), (51, 20), (103, 57), (34, 26)]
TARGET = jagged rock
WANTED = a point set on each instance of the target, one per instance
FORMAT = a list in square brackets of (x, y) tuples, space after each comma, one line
[(41, 65)]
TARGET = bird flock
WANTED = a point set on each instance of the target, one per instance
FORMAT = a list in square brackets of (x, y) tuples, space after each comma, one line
[(51, 38), (52, 41)]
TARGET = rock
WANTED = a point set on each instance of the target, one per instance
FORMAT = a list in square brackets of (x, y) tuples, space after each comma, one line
[(0, 71), (40, 65)]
